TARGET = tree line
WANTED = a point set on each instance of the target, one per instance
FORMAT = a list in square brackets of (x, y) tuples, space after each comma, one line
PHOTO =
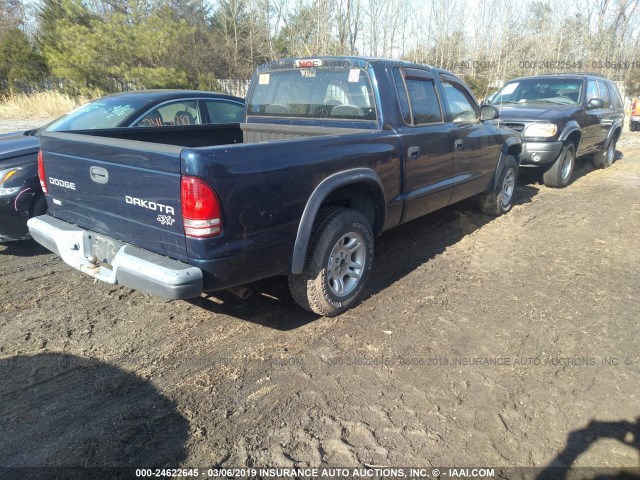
[(101, 46)]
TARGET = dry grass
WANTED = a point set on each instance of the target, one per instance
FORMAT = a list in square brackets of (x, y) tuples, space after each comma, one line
[(38, 105)]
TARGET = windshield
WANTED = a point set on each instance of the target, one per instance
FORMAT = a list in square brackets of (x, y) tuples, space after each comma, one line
[(108, 112), (341, 94), (541, 90)]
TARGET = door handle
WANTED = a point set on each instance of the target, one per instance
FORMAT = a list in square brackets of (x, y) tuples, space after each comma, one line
[(413, 153), (458, 144)]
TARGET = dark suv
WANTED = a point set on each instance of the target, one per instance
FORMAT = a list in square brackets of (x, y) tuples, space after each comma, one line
[(562, 117)]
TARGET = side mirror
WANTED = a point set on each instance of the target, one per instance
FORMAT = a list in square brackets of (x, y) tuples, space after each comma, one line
[(489, 112), (595, 103)]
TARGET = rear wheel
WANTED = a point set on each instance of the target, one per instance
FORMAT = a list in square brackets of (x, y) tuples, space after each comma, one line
[(633, 126), (605, 158), (338, 264), (558, 174)]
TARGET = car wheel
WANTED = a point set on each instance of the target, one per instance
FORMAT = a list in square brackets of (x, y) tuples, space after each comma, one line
[(500, 199), (605, 158), (558, 174), (633, 126), (338, 264)]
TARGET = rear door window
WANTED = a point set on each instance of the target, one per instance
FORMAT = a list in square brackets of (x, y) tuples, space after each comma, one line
[(418, 97), (183, 112), (222, 111)]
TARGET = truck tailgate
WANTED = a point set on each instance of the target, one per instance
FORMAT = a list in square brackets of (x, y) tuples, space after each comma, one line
[(125, 189)]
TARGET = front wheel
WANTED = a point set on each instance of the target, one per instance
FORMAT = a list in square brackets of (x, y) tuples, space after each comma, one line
[(605, 158), (558, 174), (338, 264), (500, 199)]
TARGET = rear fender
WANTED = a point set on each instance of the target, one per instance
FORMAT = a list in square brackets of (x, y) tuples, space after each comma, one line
[(322, 191)]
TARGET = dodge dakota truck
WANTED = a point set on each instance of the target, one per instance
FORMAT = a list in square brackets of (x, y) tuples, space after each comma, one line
[(333, 151)]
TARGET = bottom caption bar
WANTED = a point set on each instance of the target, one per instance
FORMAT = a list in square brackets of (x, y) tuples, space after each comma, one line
[(322, 473)]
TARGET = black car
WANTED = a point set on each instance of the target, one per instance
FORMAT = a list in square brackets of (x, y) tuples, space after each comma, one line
[(562, 117), (20, 193)]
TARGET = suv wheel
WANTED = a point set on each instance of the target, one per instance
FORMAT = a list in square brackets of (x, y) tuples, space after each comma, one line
[(500, 199), (605, 158), (558, 174), (338, 264)]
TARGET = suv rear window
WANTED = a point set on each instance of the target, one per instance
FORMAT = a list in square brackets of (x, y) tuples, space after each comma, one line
[(340, 94)]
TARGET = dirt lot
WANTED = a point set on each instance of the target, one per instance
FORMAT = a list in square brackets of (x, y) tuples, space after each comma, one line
[(481, 342)]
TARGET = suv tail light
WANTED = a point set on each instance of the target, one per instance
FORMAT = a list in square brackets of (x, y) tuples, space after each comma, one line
[(200, 208), (41, 174)]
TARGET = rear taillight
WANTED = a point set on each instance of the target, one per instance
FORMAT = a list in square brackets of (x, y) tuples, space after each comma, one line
[(43, 178), (200, 208)]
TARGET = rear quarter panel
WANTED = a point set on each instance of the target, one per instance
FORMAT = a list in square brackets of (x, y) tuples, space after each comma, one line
[(264, 187)]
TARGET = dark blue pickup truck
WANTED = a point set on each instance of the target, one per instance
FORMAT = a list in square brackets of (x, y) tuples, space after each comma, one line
[(334, 151)]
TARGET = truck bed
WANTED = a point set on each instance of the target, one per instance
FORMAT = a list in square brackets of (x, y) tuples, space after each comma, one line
[(212, 135)]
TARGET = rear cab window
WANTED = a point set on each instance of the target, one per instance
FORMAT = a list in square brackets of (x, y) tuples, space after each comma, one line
[(314, 89)]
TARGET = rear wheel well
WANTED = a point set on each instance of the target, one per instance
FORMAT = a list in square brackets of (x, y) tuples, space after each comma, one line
[(363, 197)]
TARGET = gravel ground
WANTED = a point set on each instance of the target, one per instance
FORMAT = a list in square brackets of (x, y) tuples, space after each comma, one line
[(14, 125), (481, 342)]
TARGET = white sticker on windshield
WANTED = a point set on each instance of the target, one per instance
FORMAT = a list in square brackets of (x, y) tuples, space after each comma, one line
[(354, 75), (510, 88), (263, 79)]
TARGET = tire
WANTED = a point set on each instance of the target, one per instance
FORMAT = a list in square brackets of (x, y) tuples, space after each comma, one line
[(633, 126), (327, 267), (605, 158), (500, 199), (558, 174)]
